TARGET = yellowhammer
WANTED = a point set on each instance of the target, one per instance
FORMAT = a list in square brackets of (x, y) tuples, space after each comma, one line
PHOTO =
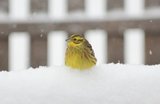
[(79, 53)]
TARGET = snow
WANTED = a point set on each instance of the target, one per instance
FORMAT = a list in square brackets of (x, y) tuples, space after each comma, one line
[(103, 84)]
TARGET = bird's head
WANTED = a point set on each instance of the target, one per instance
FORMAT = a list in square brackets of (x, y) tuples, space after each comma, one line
[(75, 41)]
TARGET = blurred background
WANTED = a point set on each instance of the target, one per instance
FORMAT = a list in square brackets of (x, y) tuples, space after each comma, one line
[(33, 32)]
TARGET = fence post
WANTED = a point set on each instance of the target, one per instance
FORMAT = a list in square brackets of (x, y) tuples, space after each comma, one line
[(115, 47), (3, 51)]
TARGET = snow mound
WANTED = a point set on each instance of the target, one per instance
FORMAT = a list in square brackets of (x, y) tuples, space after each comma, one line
[(104, 84)]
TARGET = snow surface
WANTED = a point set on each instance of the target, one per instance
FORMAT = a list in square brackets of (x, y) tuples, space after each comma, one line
[(104, 84)]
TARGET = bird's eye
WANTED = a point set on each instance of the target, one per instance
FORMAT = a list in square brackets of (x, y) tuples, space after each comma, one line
[(74, 39)]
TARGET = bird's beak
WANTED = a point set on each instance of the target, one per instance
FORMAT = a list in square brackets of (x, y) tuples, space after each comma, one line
[(67, 39)]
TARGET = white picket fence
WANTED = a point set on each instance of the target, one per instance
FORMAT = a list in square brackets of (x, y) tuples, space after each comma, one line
[(19, 42)]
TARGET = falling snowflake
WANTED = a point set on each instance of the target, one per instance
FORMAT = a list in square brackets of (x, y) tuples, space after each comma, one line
[(2, 32), (41, 35), (42, 30), (151, 21), (150, 52)]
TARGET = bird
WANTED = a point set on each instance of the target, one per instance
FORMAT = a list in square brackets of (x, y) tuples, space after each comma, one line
[(79, 53)]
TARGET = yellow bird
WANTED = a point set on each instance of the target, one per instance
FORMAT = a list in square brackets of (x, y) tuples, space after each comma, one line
[(79, 53)]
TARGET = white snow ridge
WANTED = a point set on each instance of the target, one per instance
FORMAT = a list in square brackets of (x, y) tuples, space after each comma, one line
[(104, 84)]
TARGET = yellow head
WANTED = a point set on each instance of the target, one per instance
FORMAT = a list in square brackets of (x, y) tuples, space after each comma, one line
[(75, 41)]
